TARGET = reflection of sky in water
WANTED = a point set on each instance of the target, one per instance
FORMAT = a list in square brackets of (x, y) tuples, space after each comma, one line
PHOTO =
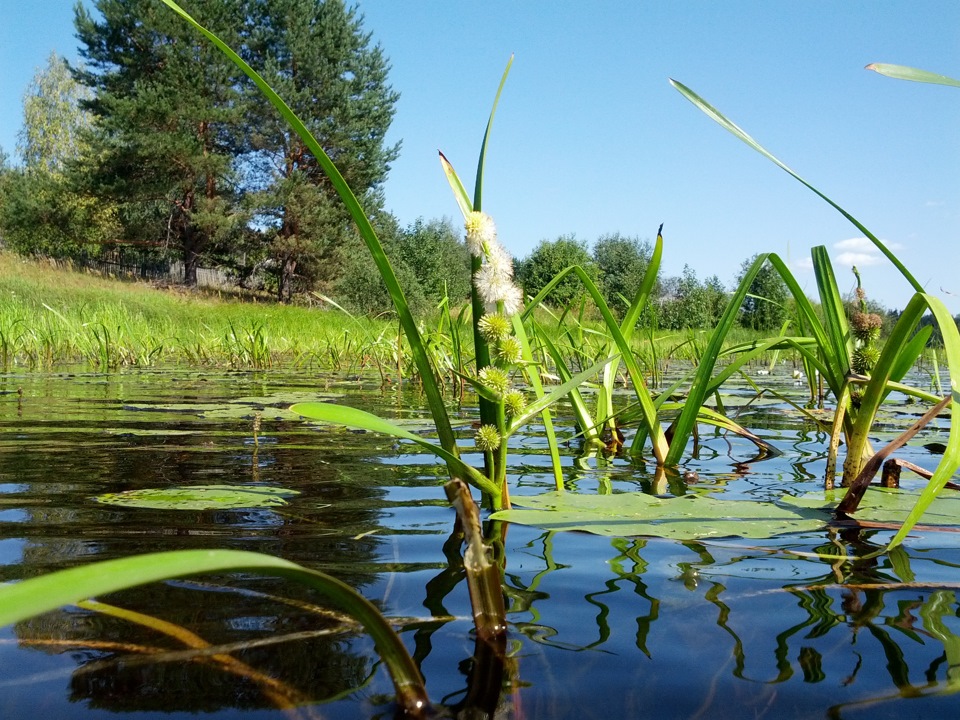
[(681, 629), (263, 623), (14, 516), (11, 549)]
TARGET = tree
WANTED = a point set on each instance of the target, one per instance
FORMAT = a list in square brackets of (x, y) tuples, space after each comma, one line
[(550, 257), (621, 264), (428, 257), (319, 60), (167, 104), (55, 125), (42, 211), (439, 259), (765, 307), (716, 297), (686, 303)]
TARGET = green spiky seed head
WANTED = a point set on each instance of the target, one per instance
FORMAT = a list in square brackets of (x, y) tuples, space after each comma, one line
[(864, 359), (514, 403), (487, 438), (494, 327), (510, 351), (495, 379)]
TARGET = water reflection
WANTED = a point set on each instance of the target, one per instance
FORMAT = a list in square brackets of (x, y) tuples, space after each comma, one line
[(600, 627), (867, 632)]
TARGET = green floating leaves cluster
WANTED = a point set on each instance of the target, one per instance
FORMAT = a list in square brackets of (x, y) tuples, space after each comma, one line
[(679, 518), (200, 497), (692, 517)]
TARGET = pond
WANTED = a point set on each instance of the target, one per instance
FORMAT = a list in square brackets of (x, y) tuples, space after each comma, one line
[(621, 627)]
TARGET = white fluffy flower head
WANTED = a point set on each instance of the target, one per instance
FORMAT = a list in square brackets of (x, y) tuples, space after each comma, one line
[(480, 231)]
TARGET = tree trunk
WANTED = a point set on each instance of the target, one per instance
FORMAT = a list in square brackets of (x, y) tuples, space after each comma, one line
[(190, 260)]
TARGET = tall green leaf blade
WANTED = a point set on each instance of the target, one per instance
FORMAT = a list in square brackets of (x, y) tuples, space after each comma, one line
[(640, 301), (950, 461), (420, 356), (481, 162), (533, 376), (28, 598), (699, 388), (834, 313), (811, 324), (876, 389), (642, 298), (535, 408), (580, 411), (902, 72), (731, 127), (459, 191), (648, 413)]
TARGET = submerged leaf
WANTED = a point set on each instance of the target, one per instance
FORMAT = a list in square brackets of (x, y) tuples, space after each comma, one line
[(200, 497), (680, 518)]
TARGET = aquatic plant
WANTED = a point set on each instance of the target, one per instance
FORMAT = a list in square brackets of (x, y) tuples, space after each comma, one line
[(34, 596), (859, 396), (492, 290)]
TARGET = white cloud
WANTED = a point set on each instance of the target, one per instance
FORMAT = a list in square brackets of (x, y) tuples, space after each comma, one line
[(860, 251), (857, 258)]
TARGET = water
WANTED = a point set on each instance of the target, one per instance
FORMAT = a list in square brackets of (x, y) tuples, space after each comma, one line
[(600, 627)]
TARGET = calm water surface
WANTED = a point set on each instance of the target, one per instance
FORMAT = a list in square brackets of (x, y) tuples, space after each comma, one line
[(600, 627)]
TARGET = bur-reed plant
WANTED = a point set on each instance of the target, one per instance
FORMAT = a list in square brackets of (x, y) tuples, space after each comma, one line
[(860, 384)]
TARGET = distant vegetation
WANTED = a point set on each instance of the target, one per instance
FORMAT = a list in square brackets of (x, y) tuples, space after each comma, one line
[(136, 160)]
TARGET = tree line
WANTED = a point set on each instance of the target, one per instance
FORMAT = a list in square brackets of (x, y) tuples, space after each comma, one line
[(154, 149)]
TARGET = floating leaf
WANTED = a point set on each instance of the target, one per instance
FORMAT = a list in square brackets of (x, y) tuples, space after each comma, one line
[(680, 518), (886, 505), (271, 406), (200, 497)]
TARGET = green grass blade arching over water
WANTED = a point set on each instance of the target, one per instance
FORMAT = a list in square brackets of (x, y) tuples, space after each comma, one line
[(421, 358), (734, 129), (28, 598)]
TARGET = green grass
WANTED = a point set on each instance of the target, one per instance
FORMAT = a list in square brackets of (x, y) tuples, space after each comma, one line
[(51, 316)]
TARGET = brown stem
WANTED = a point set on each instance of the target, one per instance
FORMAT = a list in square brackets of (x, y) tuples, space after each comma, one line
[(483, 575), (858, 487)]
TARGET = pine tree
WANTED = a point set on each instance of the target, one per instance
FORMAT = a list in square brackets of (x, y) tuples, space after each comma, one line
[(167, 106), (317, 57)]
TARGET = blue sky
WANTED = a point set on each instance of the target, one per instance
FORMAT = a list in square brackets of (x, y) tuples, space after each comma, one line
[(590, 138)]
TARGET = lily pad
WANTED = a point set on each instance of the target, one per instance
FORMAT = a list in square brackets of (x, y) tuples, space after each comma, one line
[(681, 518), (200, 497)]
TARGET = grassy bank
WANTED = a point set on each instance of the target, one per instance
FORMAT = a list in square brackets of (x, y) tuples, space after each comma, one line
[(51, 316)]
